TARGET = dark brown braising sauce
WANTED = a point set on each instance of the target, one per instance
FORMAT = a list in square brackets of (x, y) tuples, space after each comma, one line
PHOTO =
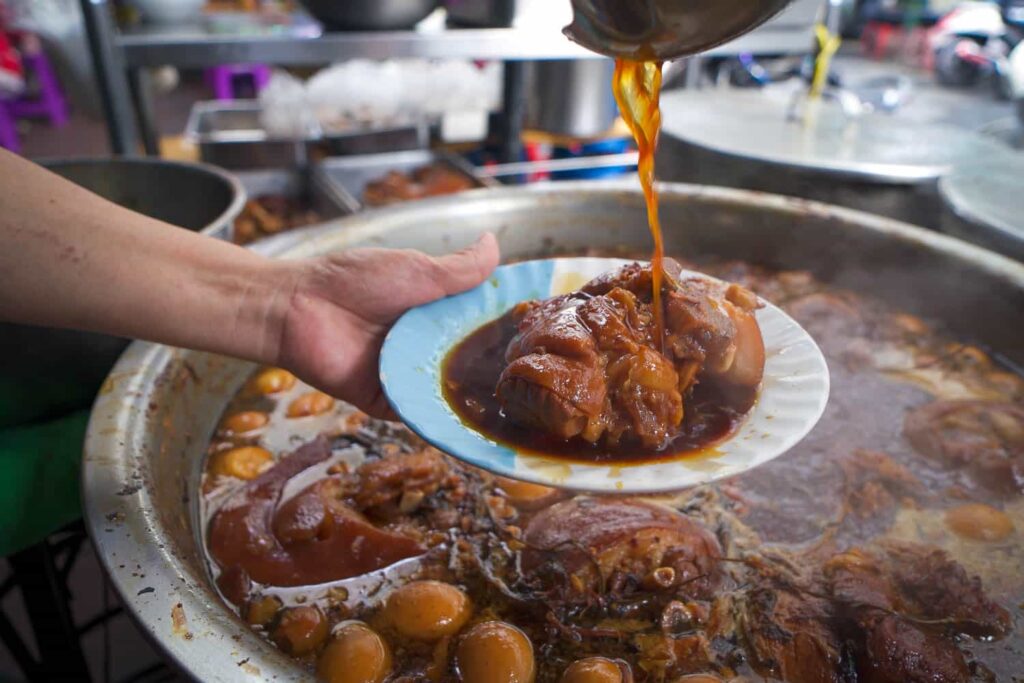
[(471, 371), (637, 89)]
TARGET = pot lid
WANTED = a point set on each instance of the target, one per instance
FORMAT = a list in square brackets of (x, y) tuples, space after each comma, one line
[(984, 188), (753, 124)]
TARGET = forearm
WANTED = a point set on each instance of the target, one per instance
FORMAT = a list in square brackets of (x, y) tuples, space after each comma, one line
[(71, 259)]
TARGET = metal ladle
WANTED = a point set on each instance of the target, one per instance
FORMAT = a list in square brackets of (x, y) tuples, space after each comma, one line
[(664, 29)]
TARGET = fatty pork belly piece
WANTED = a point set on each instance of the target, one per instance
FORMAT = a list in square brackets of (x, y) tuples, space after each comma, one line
[(589, 364), (601, 541)]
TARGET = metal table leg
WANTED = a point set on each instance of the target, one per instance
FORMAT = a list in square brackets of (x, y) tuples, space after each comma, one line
[(44, 591), (513, 112), (694, 66), (142, 96), (110, 76)]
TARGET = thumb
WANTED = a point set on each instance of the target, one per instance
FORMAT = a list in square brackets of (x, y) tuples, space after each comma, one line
[(469, 267)]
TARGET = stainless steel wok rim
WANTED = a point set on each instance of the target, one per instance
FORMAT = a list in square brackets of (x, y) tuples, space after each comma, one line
[(365, 228), (211, 643)]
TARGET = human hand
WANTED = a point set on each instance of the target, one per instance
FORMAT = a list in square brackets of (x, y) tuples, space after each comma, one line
[(342, 305)]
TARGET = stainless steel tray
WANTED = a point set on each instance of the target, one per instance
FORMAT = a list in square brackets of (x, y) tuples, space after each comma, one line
[(345, 178), (231, 135), (288, 182)]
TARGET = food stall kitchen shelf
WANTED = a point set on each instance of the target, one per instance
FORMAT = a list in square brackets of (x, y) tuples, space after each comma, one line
[(232, 135), (120, 57)]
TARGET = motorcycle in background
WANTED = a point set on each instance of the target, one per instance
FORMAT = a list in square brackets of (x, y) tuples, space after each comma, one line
[(982, 40)]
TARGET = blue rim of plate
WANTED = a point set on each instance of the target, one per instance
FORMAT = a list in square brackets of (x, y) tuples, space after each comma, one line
[(793, 396)]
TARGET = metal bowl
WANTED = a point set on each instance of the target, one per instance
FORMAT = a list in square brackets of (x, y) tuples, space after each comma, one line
[(370, 15), (156, 188), (664, 29), (194, 196), (148, 433)]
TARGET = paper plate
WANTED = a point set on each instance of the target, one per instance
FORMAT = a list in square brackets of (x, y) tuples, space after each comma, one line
[(792, 399)]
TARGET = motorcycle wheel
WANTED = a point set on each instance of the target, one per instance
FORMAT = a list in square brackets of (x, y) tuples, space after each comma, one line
[(952, 71), (1002, 88)]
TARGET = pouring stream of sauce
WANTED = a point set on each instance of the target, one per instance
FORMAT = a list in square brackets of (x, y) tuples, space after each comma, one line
[(637, 88)]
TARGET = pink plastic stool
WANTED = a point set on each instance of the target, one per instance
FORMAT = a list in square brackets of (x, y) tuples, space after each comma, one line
[(49, 102), (8, 129), (223, 78), (877, 36)]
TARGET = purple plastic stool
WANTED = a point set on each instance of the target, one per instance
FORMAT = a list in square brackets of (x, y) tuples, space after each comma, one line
[(222, 78), (49, 102), (8, 130)]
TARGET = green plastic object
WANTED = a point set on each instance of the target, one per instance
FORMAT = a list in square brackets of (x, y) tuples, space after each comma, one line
[(39, 478), (42, 399)]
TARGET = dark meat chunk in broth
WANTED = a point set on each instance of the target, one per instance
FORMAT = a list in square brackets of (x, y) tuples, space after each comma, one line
[(902, 609), (590, 364), (874, 486), (397, 484), (790, 635), (562, 389), (896, 651), (985, 438), (592, 541), (936, 588)]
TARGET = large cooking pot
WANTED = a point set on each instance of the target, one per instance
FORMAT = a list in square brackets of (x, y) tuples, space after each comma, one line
[(148, 433), (157, 187), (370, 15)]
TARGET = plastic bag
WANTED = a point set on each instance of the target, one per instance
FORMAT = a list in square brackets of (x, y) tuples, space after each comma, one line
[(285, 108)]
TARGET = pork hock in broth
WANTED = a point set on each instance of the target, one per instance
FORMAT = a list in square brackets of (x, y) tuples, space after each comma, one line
[(884, 547)]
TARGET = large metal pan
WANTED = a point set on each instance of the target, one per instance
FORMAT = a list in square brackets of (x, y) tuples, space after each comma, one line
[(982, 200), (879, 163), (150, 426)]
